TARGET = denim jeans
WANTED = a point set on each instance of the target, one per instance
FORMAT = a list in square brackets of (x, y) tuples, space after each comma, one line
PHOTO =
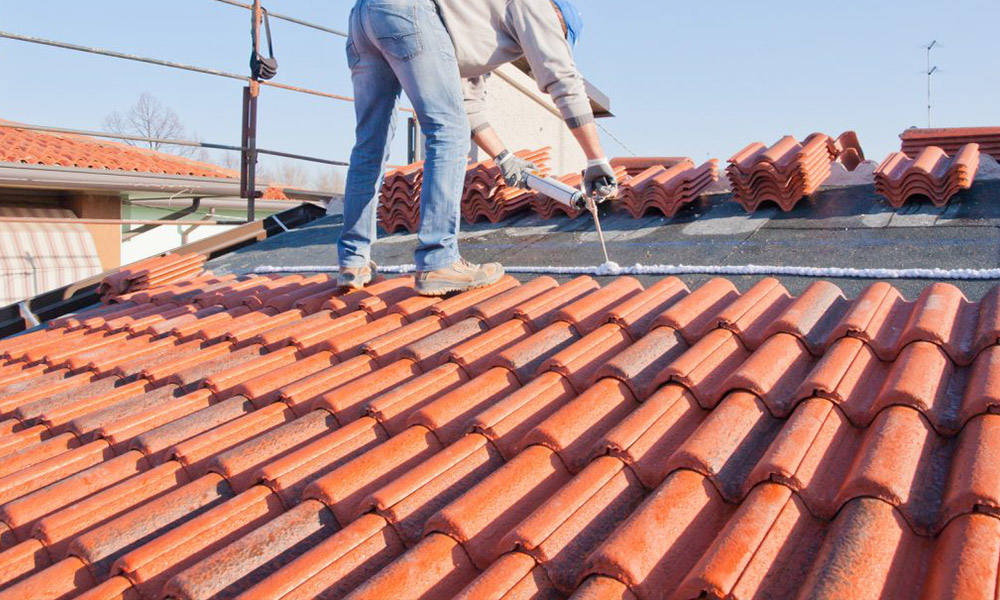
[(399, 46)]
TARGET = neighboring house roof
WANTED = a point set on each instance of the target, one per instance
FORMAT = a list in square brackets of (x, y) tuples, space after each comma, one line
[(59, 149), (43, 148), (223, 434)]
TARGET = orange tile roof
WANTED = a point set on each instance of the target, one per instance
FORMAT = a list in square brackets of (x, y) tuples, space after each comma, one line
[(952, 139), (276, 438), (23, 146)]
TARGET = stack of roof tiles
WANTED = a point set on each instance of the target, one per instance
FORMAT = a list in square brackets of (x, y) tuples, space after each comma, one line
[(635, 165), (485, 195), (548, 208), (399, 198), (268, 437), (488, 197), (932, 174), (951, 140), (667, 190), (149, 273), (788, 171)]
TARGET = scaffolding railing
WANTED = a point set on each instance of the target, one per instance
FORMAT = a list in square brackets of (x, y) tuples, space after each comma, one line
[(171, 142), (248, 149)]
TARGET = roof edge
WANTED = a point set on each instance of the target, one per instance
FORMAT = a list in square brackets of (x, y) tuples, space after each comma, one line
[(62, 301)]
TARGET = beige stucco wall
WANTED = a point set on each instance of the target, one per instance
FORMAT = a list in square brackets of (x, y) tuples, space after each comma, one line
[(525, 118)]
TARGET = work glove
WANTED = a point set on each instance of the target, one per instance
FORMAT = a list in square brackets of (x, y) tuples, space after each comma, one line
[(599, 180), (514, 169)]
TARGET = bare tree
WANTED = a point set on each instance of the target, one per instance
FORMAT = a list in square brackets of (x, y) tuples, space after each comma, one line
[(292, 174), (263, 175), (150, 118), (229, 160), (330, 180)]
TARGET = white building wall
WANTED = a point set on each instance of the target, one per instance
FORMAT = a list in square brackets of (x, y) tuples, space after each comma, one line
[(526, 118), (164, 238)]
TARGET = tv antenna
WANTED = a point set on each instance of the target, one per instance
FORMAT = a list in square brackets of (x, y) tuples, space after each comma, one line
[(930, 72)]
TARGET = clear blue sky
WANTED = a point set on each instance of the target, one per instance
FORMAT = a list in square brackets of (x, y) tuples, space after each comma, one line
[(686, 78)]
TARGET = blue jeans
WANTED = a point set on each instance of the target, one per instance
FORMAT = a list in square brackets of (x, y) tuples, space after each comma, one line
[(399, 46)]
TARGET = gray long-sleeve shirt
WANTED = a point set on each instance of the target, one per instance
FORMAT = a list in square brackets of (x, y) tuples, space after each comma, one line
[(490, 33)]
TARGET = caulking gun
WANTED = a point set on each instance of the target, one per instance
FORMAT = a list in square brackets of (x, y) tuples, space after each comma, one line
[(570, 196)]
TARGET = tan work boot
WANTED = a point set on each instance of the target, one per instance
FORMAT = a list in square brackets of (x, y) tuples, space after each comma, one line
[(460, 276), (355, 278)]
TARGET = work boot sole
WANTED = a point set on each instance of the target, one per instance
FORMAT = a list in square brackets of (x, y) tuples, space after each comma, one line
[(357, 283), (442, 288)]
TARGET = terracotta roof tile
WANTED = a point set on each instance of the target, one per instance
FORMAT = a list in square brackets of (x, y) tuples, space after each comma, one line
[(951, 139), (57, 529), (348, 402), (393, 408), (291, 473), (578, 362), (64, 579), (23, 559), (500, 308), (637, 314), (438, 565), (666, 189), (196, 452), (788, 171), (653, 432), (155, 443), (386, 348), (931, 174), (639, 365), (151, 564), (541, 310), (409, 500), (22, 514), (513, 575), (123, 429), (302, 395), (336, 565), (265, 439), (344, 489), (102, 546), (524, 358), (484, 196), (506, 422), (594, 441), (475, 354), (242, 561), (573, 429), (482, 516), (113, 588), (450, 415), (706, 366), (62, 149), (564, 530)]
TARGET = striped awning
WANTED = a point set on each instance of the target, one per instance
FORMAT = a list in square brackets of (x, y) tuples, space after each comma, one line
[(36, 258)]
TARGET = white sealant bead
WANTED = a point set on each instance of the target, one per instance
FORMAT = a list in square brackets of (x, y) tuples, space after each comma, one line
[(612, 268)]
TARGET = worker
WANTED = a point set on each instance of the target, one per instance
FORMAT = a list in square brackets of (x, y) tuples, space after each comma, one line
[(440, 53)]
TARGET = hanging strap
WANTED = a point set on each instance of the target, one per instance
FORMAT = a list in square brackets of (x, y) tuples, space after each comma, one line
[(267, 30), (264, 67)]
